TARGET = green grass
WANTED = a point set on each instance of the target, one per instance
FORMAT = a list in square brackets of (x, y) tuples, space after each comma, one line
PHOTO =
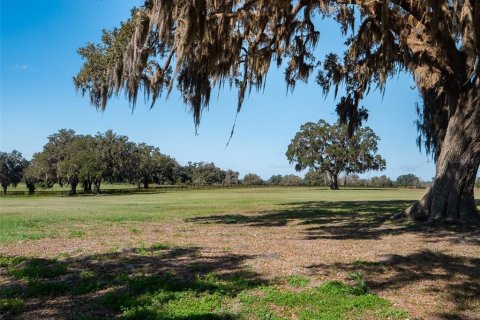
[(332, 300), (12, 306), (297, 281), (134, 286), (23, 218), (206, 295)]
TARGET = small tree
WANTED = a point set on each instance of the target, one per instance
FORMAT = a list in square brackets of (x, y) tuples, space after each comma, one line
[(252, 179), (331, 149), (275, 179), (350, 180), (206, 173), (382, 182), (11, 169), (40, 173), (408, 180), (231, 177)]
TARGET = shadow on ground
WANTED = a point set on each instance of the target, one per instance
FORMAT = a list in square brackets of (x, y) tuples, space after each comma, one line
[(454, 277), (127, 282), (459, 274), (342, 220)]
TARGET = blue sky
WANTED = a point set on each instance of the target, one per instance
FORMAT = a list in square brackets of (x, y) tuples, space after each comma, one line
[(39, 40)]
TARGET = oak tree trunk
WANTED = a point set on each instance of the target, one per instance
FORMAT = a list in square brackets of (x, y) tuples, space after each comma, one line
[(332, 179), (451, 198), (96, 185), (73, 188)]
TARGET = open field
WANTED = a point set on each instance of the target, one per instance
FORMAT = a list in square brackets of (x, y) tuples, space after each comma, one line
[(270, 253)]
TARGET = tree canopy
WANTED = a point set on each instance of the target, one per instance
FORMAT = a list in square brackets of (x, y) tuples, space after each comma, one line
[(72, 159), (407, 180), (12, 166), (252, 179), (330, 149)]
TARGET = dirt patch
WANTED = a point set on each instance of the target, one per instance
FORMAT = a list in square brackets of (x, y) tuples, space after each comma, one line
[(431, 274)]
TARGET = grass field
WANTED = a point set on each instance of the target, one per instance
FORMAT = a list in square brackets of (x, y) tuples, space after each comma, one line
[(35, 218), (270, 253)]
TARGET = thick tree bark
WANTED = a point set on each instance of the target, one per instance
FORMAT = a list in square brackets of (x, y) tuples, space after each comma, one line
[(451, 198), (96, 185), (73, 188), (332, 179), (87, 186), (31, 188)]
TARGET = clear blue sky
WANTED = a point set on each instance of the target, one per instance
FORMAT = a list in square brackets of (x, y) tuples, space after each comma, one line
[(39, 40)]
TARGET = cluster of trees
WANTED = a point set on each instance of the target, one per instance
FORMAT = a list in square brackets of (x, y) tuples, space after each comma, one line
[(146, 164), (318, 178), (74, 160), (86, 160), (403, 181)]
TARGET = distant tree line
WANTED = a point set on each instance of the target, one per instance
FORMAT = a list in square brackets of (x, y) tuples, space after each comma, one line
[(319, 178), (86, 161)]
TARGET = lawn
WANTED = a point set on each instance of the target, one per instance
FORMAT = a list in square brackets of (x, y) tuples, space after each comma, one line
[(24, 218), (266, 253)]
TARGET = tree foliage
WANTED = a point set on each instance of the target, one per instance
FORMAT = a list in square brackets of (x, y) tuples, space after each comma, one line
[(12, 166), (71, 159), (408, 180), (275, 179), (330, 149), (381, 182), (252, 179), (291, 180), (315, 178), (197, 45), (231, 177)]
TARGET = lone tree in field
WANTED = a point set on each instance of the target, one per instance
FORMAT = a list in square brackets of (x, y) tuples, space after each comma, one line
[(12, 166), (198, 45), (330, 149)]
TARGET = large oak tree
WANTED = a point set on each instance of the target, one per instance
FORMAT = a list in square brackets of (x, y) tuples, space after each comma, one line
[(329, 149), (201, 44)]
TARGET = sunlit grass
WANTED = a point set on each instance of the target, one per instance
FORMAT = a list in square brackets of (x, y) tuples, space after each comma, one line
[(30, 218)]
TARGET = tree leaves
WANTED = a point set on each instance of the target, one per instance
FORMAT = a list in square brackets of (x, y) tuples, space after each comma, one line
[(326, 147)]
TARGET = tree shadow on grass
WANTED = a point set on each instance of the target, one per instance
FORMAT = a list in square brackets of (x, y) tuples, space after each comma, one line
[(342, 220), (459, 274), (361, 220), (159, 282)]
